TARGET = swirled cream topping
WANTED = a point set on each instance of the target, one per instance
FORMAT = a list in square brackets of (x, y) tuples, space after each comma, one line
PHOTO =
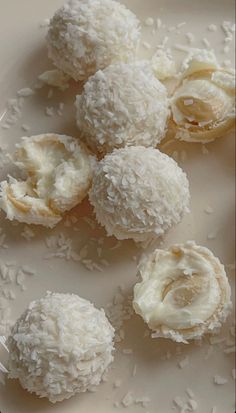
[(203, 104), (184, 291), (58, 172)]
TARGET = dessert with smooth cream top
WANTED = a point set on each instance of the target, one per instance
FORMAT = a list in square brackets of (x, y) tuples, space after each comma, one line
[(203, 105), (59, 174), (184, 292)]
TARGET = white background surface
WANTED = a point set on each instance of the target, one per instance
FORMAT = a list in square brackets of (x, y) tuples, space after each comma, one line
[(23, 58)]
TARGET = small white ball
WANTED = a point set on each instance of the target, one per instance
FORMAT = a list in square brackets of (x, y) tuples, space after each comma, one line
[(87, 35), (61, 345), (139, 193), (123, 105)]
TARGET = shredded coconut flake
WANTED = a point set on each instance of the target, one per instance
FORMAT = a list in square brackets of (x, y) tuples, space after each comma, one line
[(44, 23), (163, 64), (190, 393), (55, 78), (212, 235), (117, 383), (206, 43), (219, 380), (190, 37), (230, 350), (212, 28), (128, 399), (25, 92), (184, 362), (149, 22), (146, 45), (208, 210), (25, 127)]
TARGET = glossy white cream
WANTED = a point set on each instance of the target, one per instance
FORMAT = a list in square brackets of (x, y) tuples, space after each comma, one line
[(58, 176), (184, 292), (203, 105)]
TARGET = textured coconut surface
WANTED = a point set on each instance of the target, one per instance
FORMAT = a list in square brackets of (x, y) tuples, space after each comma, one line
[(148, 375)]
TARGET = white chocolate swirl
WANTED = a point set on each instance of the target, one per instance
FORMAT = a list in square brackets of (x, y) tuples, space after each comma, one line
[(203, 105), (58, 172), (184, 292)]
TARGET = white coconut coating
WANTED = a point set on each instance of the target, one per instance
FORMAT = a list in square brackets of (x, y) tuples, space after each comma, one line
[(61, 345), (139, 193), (87, 35), (123, 105)]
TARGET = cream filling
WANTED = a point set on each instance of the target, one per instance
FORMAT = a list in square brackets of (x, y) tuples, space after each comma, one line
[(202, 102), (179, 289)]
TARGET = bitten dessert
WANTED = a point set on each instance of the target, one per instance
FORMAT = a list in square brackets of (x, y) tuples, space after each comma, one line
[(203, 104), (58, 173), (184, 292)]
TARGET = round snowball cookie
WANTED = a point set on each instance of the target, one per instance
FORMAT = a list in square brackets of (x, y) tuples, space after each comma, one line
[(87, 35), (184, 292), (123, 105), (139, 193), (61, 345)]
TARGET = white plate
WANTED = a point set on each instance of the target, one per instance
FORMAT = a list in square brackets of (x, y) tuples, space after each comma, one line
[(23, 57)]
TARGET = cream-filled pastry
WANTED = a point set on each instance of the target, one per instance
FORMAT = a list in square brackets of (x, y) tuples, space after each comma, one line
[(58, 174), (184, 292), (203, 104)]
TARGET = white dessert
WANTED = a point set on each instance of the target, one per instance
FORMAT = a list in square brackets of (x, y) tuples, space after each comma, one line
[(87, 35), (198, 60), (123, 105), (58, 172), (61, 345), (203, 105), (184, 292), (163, 64), (139, 193)]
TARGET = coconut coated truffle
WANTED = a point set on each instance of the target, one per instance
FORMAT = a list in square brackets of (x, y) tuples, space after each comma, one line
[(87, 35), (139, 193), (123, 105), (61, 345)]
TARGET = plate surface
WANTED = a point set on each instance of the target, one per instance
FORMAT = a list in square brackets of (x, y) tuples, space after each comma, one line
[(211, 174)]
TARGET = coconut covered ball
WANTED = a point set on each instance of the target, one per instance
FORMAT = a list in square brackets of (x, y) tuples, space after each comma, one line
[(139, 193), (61, 345), (87, 35), (123, 105)]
